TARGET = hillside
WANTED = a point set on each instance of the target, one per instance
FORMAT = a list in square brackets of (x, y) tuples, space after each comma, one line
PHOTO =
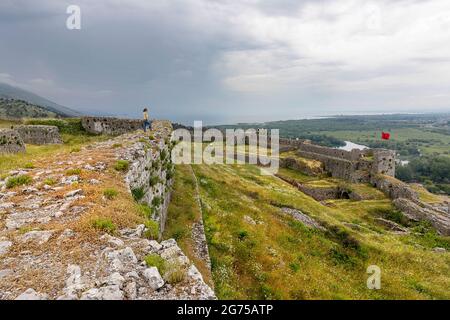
[(262, 247), (8, 92), (11, 108), (120, 204)]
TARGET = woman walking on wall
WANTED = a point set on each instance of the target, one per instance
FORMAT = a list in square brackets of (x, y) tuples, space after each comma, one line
[(146, 121)]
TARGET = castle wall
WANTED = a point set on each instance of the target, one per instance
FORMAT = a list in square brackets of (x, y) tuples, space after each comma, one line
[(383, 162), (10, 141), (111, 126), (39, 134), (151, 171), (337, 167)]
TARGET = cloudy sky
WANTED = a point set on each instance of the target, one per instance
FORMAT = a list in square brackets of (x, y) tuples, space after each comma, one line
[(224, 61)]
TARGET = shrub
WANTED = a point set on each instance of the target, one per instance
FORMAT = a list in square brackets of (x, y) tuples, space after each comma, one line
[(175, 272), (145, 210), (156, 165), (116, 145), (75, 150), (154, 180), (163, 155), (50, 181), (104, 224), (154, 260), (152, 231), (294, 267), (242, 235), (72, 172), (179, 233), (138, 193), (110, 193), (122, 165), (18, 181), (156, 201), (68, 126)]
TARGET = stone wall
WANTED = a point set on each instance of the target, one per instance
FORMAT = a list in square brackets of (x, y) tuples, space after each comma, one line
[(337, 167), (38, 134), (150, 173), (355, 166), (383, 162), (10, 141), (112, 126), (353, 155), (392, 187)]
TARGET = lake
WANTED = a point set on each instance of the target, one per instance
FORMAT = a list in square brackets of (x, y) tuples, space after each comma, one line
[(349, 146)]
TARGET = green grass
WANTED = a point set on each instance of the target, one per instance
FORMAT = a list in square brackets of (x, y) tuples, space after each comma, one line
[(280, 258), (122, 165), (154, 260), (152, 231), (105, 225), (50, 181), (29, 165), (73, 137), (72, 172), (110, 193), (18, 181)]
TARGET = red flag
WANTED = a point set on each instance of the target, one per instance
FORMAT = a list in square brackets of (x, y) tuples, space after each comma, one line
[(385, 135)]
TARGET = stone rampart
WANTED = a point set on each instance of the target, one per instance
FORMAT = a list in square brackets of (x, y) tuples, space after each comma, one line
[(10, 141), (111, 126), (39, 134)]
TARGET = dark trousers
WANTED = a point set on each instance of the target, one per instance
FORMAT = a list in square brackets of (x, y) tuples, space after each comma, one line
[(146, 124)]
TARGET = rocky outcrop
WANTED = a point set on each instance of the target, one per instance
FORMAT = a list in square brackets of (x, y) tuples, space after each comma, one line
[(417, 211), (39, 134), (126, 276), (303, 218), (392, 187), (10, 141), (111, 126)]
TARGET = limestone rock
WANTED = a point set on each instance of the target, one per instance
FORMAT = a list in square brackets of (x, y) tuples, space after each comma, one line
[(4, 247), (39, 237), (31, 294), (153, 277)]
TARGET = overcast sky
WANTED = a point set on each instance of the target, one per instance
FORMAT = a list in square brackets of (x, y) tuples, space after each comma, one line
[(224, 61)]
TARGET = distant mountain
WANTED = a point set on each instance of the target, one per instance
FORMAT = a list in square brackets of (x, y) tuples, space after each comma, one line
[(12, 108), (8, 92)]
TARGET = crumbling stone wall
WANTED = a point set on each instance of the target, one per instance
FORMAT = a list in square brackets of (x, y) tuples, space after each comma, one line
[(337, 167), (150, 174), (393, 188), (355, 166), (39, 134), (383, 162), (10, 141), (112, 126)]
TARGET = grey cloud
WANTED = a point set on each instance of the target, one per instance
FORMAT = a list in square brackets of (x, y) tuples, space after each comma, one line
[(166, 54)]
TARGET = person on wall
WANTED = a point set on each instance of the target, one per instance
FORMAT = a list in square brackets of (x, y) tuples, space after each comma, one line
[(146, 120)]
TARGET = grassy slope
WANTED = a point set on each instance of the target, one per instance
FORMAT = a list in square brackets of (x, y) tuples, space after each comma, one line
[(280, 258), (182, 214), (72, 143)]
